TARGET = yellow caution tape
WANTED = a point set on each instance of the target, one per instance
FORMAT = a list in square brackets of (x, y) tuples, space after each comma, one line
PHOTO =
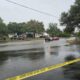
[(36, 72)]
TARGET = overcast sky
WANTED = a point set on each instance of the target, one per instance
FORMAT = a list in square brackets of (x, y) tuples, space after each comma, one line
[(12, 13)]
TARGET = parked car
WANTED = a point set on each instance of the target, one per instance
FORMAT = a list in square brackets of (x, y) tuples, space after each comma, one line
[(14, 37), (48, 38), (55, 38), (21, 37)]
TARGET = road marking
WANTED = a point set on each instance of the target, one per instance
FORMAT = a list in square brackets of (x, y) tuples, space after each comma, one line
[(40, 71)]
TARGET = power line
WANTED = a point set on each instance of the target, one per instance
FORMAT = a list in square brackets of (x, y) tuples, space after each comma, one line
[(45, 13)]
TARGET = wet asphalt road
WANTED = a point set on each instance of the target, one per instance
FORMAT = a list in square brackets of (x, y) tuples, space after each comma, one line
[(24, 58)]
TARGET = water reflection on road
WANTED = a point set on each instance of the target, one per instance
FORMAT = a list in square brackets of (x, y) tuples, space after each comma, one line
[(16, 62)]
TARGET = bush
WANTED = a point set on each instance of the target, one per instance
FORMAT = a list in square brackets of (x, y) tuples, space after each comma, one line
[(3, 38), (64, 34), (78, 34)]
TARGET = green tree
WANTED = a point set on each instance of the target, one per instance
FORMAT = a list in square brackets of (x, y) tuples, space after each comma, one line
[(22, 27), (34, 26), (71, 19), (14, 27), (3, 28), (30, 26), (69, 30), (53, 30)]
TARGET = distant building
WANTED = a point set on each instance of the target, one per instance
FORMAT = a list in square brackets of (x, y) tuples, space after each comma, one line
[(45, 34), (12, 35), (37, 35)]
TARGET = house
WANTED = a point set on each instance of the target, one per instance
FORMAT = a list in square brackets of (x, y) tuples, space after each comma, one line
[(12, 35), (46, 34)]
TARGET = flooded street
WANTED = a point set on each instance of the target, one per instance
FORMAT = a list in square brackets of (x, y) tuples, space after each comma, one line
[(16, 59)]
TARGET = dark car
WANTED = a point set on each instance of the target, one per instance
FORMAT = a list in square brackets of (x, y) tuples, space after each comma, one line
[(48, 39), (55, 38)]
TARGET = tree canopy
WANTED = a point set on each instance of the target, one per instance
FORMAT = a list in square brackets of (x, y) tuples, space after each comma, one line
[(13, 27), (71, 19), (35, 26), (3, 28), (53, 30), (19, 28)]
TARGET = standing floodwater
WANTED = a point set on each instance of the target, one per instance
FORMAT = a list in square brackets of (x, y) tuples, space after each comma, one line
[(18, 59)]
